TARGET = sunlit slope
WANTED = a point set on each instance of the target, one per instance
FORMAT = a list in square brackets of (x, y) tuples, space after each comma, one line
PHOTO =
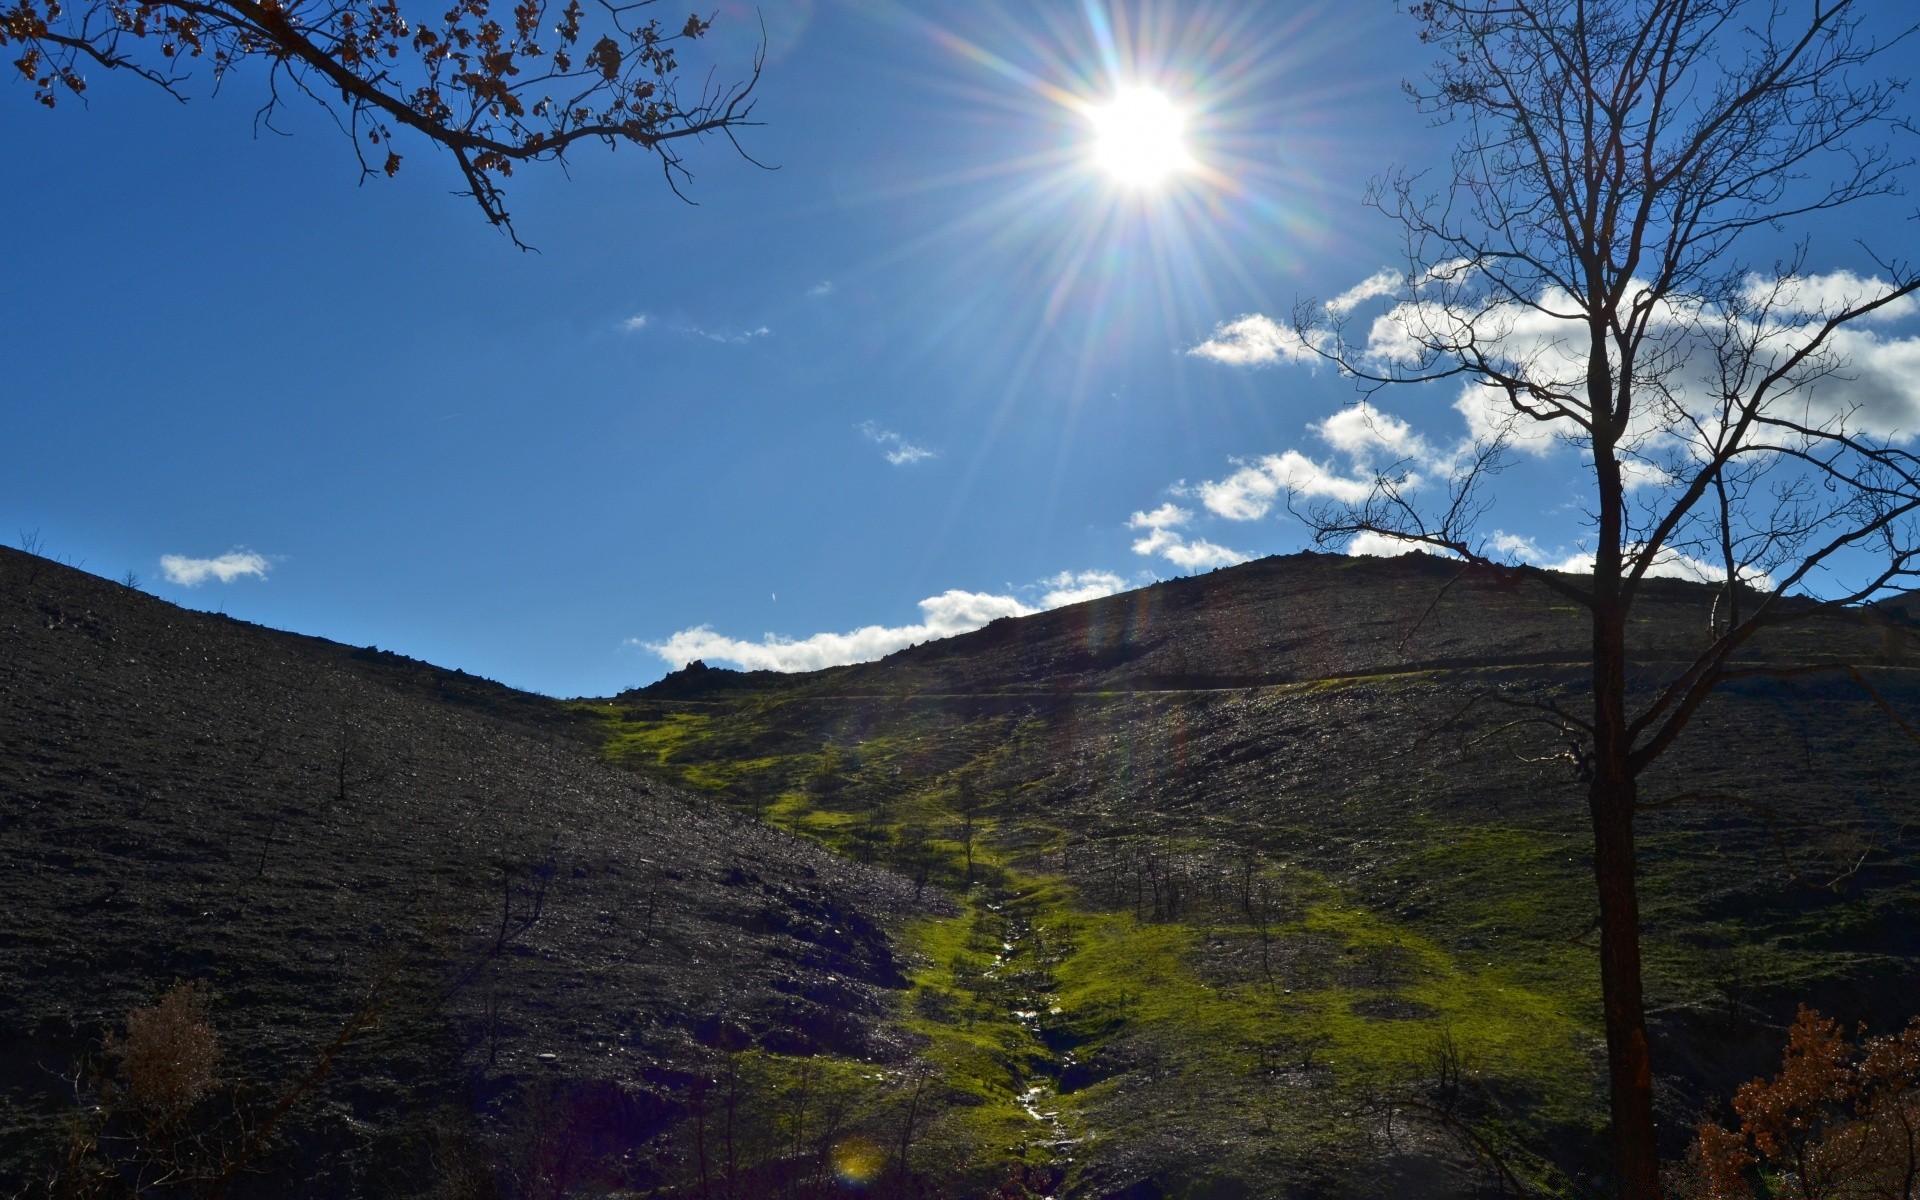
[(1253, 868), (1301, 617)]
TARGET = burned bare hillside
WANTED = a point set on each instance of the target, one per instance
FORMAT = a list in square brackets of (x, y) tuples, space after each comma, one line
[(527, 946)]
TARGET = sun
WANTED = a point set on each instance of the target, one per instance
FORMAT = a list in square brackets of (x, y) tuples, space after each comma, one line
[(1139, 137)]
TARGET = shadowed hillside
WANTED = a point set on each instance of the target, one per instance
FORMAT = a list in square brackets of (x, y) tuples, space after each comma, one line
[(555, 948)]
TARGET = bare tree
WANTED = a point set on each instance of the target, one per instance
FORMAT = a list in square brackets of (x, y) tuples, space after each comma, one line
[(1582, 275), (496, 86), (967, 810)]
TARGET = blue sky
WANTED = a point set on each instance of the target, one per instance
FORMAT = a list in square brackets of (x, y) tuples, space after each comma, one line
[(936, 356)]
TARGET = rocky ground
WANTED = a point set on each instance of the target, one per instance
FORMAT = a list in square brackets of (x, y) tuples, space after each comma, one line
[(312, 829)]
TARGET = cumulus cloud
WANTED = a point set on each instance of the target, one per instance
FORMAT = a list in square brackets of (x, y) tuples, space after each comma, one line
[(899, 451), (1254, 341), (1198, 554), (1668, 564), (1069, 587), (1515, 546), (1257, 340), (1189, 554), (1379, 545), (1249, 493), (1167, 516), (1866, 380), (234, 564), (634, 323), (1819, 295), (951, 612), (1362, 431), (1246, 495), (1863, 380)]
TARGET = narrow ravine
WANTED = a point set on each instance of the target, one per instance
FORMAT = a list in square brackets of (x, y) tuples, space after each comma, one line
[(1022, 964)]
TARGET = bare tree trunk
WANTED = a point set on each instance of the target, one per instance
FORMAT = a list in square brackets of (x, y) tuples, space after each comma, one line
[(1612, 796)]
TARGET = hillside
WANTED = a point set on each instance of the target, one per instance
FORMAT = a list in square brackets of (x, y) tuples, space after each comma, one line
[(557, 950), (1284, 883), (1238, 885)]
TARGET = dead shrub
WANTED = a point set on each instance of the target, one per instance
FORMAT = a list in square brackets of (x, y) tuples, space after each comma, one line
[(168, 1060)]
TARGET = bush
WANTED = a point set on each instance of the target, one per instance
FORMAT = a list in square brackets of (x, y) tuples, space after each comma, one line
[(1840, 1120), (168, 1059)]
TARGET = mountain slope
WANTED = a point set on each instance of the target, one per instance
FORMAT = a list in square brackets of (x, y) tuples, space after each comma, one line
[(1279, 866), (310, 829), (1240, 885)]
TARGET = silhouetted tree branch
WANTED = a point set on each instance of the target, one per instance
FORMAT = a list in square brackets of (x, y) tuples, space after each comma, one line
[(494, 86)]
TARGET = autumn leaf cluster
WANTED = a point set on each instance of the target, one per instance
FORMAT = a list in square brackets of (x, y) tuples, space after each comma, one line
[(1841, 1121)]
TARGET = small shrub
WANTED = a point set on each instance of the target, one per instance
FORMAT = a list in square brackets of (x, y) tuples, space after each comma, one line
[(168, 1059)]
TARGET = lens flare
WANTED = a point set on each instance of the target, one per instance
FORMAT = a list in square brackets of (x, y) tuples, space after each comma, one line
[(857, 1162), (1139, 137)]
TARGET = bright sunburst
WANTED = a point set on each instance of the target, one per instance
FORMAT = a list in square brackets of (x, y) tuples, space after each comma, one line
[(1139, 137)]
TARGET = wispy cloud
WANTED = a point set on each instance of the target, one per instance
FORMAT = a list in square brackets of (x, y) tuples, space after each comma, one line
[(951, 612), (729, 337), (823, 288), (634, 323), (899, 451), (234, 564)]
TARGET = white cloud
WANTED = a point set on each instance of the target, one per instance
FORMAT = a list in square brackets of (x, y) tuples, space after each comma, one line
[(1359, 430), (1374, 286), (733, 337), (1819, 295), (823, 288), (234, 564), (1249, 493), (1069, 587), (634, 323), (1200, 554), (951, 612), (1513, 545), (1167, 516), (1254, 341), (1245, 495), (1188, 554), (1668, 564), (899, 451), (1450, 270), (1865, 380), (1156, 541), (1379, 545)]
